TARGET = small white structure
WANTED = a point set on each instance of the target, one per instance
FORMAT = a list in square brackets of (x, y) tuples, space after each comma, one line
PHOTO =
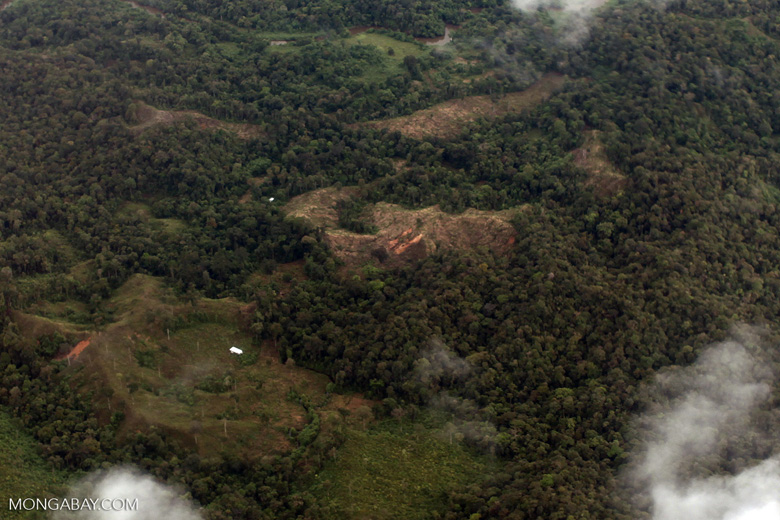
[(236, 350), (271, 199)]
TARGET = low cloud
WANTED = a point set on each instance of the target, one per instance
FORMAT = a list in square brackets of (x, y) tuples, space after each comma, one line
[(437, 362), (703, 437), (439, 368), (467, 423), (573, 17), (155, 500), (572, 6)]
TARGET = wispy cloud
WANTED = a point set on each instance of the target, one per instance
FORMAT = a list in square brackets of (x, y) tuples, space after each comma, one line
[(706, 415), (436, 362), (574, 17), (439, 368)]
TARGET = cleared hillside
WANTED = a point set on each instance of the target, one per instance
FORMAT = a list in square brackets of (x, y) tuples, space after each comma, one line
[(447, 120)]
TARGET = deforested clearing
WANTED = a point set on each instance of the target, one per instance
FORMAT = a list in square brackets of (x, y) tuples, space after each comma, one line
[(404, 234), (149, 116), (447, 120), (603, 177)]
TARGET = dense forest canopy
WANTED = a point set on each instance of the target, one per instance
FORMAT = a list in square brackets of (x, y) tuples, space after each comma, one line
[(166, 141)]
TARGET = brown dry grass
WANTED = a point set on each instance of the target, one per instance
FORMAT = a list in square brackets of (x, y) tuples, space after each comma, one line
[(446, 120), (350, 402), (319, 206), (149, 9), (603, 177), (257, 181), (413, 234), (148, 116), (484, 75), (463, 61)]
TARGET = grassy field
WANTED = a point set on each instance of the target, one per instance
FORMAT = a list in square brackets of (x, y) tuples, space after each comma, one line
[(23, 473), (392, 64), (392, 52), (246, 404), (286, 36), (393, 471), (143, 212), (166, 363), (32, 326), (72, 313)]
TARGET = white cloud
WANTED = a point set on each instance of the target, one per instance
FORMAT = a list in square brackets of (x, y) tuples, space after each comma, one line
[(705, 408), (155, 500)]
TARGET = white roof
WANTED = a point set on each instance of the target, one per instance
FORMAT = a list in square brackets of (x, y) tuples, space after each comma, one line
[(235, 350)]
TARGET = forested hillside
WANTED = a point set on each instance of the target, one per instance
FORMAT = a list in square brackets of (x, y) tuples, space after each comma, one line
[(278, 176)]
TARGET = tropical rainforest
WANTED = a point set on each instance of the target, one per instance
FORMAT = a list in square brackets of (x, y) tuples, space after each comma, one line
[(553, 254)]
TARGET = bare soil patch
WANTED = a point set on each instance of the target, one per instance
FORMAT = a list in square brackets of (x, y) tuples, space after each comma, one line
[(446, 120), (78, 349), (148, 116)]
